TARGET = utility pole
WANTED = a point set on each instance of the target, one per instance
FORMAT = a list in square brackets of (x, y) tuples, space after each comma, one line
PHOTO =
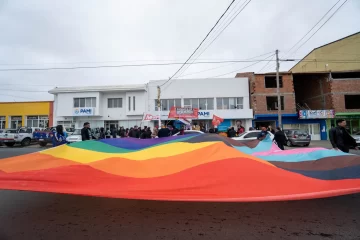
[(278, 89), (159, 105)]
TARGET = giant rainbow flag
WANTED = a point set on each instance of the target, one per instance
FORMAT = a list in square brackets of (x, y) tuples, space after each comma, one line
[(204, 167)]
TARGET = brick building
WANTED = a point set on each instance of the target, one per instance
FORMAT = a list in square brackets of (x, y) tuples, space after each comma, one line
[(339, 91), (264, 102), (329, 78)]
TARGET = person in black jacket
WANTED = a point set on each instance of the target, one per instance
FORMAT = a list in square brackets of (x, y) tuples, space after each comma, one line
[(340, 139), (86, 132), (102, 133), (164, 132), (280, 138)]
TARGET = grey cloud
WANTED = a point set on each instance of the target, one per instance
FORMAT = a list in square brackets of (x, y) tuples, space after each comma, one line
[(40, 31)]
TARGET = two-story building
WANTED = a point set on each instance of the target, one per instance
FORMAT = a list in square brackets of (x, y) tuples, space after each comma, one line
[(227, 98), (101, 106), (264, 102)]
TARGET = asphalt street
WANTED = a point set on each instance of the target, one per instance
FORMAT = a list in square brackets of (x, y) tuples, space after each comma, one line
[(30, 215)]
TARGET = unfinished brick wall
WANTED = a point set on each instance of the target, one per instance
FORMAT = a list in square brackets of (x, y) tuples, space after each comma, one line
[(314, 90), (340, 88), (260, 105), (259, 93)]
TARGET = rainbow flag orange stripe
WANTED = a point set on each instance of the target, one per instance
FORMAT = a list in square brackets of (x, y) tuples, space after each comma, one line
[(186, 168)]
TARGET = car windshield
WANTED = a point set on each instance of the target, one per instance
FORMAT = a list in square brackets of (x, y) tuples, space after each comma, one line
[(77, 132)]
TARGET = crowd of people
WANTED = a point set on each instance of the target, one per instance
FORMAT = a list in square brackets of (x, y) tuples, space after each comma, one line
[(339, 137), (133, 132)]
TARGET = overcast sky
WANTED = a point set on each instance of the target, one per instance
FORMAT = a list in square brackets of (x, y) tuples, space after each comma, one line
[(43, 33)]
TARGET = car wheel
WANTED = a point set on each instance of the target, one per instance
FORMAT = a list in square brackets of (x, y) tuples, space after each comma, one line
[(43, 144), (9, 144), (26, 142), (289, 143)]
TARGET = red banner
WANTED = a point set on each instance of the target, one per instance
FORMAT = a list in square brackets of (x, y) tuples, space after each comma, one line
[(149, 117), (177, 112), (216, 120)]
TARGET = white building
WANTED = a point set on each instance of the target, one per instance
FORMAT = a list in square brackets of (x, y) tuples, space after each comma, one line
[(227, 98), (105, 106)]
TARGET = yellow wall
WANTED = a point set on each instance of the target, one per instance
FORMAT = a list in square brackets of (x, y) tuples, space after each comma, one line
[(24, 109), (342, 50)]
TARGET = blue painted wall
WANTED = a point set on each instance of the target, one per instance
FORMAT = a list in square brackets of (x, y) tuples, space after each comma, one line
[(223, 127)]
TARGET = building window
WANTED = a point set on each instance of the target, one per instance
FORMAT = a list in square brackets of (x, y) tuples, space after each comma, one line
[(66, 124), (84, 102), (37, 121), (352, 101), (114, 102), (270, 82), (200, 103), (345, 75), (134, 103), (2, 122), (129, 104), (16, 122), (229, 103), (272, 103), (167, 104)]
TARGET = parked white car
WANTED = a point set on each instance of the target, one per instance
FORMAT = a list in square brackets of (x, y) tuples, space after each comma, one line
[(356, 136), (75, 136), (250, 135), (21, 136), (187, 132)]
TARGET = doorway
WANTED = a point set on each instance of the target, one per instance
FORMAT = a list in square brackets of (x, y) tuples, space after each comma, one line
[(111, 124)]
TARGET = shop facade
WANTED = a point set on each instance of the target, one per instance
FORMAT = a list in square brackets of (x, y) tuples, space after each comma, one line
[(103, 106), (26, 114), (352, 121), (226, 98), (314, 122)]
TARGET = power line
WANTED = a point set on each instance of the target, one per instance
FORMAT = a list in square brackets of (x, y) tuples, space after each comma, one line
[(21, 90), (201, 41), (242, 7), (321, 25), (167, 64), (209, 69), (266, 64), (100, 62), (313, 26), (18, 96), (239, 69), (118, 66)]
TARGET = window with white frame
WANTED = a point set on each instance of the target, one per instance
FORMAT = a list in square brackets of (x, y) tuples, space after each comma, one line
[(84, 102), (129, 104), (2, 122), (114, 102), (229, 103), (37, 121), (167, 104), (134, 103), (66, 124), (200, 103)]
